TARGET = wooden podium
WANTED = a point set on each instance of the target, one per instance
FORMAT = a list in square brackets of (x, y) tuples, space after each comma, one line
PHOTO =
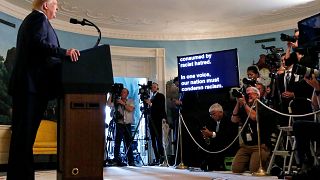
[(82, 115)]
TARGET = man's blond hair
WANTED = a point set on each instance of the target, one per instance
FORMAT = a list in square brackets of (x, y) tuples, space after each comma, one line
[(37, 4)]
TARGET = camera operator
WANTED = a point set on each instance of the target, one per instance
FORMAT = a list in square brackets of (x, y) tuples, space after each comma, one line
[(122, 108), (158, 113), (248, 154), (306, 131)]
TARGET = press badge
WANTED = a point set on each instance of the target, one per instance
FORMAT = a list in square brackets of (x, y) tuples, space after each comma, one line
[(249, 137)]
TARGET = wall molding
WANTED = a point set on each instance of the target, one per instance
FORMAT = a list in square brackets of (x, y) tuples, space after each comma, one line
[(263, 23)]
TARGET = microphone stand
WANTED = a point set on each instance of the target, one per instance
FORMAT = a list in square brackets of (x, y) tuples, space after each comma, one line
[(92, 24)]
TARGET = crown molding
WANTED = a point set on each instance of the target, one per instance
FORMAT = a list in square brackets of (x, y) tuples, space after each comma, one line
[(216, 33)]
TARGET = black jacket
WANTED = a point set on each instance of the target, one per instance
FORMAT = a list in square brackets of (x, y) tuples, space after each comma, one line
[(38, 58)]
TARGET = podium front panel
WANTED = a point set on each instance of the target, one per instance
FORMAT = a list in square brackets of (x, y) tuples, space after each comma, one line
[(81, 137)]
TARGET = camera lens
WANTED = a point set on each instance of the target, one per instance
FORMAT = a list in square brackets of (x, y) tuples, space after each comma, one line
[(250, 82), (236, 93), (285, 37)]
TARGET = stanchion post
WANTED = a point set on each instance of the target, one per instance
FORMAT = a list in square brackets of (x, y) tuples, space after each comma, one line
[(261, 171), (181, 165)]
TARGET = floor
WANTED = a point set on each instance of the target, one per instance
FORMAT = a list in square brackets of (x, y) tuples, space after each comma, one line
[(158, 173)]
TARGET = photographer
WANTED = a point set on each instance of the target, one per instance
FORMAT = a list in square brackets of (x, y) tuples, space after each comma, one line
[(158, 113), (218, 134), (248, 154), (305, 132), (292, 43), (300, 55), (122, 108)]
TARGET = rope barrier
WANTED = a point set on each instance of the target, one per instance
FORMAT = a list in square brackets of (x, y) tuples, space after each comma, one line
[(234, 140)]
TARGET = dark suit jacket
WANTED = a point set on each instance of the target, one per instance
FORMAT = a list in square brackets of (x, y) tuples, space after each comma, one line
[(300, 88), (226, 134), (158, 111), (38, 58)]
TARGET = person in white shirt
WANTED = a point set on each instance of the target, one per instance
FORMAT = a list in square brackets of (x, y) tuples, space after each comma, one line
[(123, 116)]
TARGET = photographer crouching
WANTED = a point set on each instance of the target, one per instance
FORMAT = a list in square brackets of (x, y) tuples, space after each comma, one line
[(305, 132), (247, 157), (122, 109)]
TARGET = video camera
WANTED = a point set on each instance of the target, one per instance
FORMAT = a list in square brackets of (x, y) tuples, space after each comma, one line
[(309, 33), (309, 43), (116, 89), (273, 58), (144, 90)]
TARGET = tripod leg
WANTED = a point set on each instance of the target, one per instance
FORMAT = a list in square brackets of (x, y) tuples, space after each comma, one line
[(108, 146), (132, 139)]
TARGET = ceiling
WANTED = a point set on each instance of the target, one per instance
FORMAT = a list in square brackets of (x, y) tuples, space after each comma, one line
[(175, 19)]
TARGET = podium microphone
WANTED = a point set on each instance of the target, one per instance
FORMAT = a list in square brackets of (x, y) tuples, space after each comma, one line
[(88, 23), (83, 22)]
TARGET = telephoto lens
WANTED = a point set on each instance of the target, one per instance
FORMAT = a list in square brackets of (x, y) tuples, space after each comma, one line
[(285, 37), (236, 93)]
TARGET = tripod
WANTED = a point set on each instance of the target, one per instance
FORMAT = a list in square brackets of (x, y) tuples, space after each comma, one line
[(132, 139), (146, 114), (110, 137)]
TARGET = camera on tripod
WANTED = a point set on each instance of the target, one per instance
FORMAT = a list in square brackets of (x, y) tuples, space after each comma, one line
[(144, 90), (273, 58), (116, 90), (116, 94)]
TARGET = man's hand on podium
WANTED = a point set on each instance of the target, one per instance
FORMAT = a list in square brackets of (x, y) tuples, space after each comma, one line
[(73, 53)]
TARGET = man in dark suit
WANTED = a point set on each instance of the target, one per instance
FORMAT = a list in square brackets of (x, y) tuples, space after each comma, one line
[(307, 132), (218, 134), (158, 113), (291, 86), (34, 81)]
